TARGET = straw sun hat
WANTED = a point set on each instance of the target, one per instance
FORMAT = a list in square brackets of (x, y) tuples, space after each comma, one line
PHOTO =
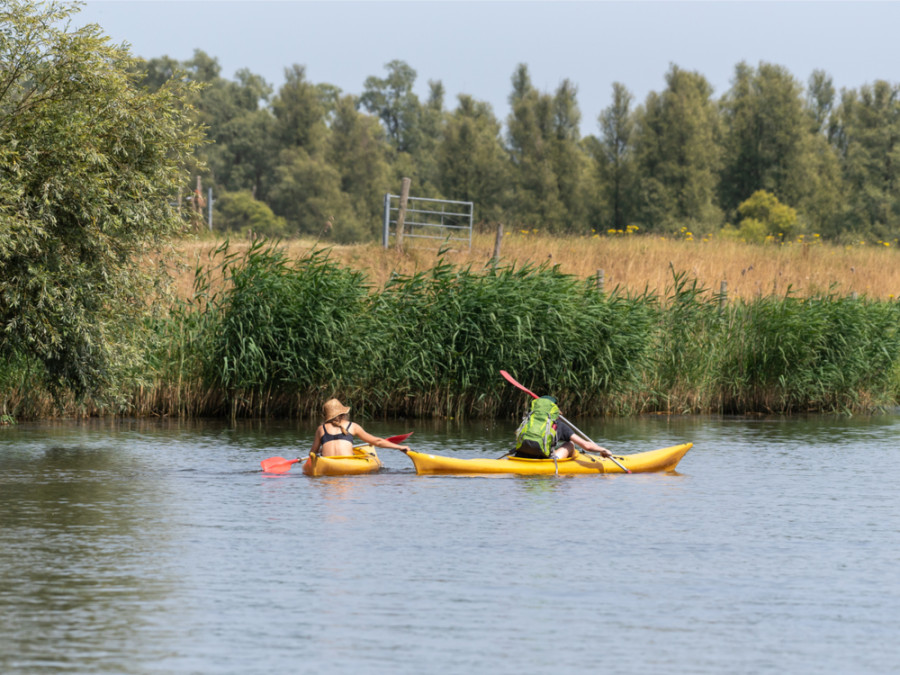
[(333, 408)]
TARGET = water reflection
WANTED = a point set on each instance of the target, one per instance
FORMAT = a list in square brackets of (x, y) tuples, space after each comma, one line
[(80, 540), (160, 547)]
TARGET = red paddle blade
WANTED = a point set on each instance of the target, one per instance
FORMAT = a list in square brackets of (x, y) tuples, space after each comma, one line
[(400, 438), (277, 464)]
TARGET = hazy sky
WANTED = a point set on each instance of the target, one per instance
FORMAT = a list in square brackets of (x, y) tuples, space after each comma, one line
[(474, 47)]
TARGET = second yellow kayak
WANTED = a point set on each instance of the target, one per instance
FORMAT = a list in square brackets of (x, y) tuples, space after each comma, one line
[(363, 460), (664, 459)]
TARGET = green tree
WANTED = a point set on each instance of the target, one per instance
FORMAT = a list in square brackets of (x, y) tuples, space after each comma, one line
[(678, 154), (614, 160), (472, 160), (570, 163), (820, 100), (867, 137), (359, 152), (548, 167), (241, 129), (431, 127), (769, 137), (763, 216), (89, 166), (306, 191), (300, 112), (154, 73), (392, 99)]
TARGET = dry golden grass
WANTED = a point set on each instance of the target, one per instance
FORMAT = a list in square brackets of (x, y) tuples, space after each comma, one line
[(631, 262)]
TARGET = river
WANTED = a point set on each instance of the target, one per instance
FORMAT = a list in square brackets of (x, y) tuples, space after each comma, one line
[(137, 546)]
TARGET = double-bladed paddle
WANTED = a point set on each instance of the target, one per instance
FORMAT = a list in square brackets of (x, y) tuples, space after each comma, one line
[(509, 378), (282, 465)]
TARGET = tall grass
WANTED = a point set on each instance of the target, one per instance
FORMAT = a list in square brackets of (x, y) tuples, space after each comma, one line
[(634, 263), (775, 354), (455, 328), (827, 353), (281, 335), (267, 333)]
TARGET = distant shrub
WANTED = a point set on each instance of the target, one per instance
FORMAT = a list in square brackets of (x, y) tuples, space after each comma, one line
[(240, 212), (763, 216)]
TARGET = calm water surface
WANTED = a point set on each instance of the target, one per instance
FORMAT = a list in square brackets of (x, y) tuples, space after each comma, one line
[(159, 547)]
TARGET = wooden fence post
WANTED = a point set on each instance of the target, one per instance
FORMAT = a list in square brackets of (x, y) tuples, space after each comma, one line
[(601, 280), (497, 241), (198, 199), (401, 214), (723, 296)]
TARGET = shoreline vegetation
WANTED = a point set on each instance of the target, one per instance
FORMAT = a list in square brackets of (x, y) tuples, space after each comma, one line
[(270, 329), (706, 286)]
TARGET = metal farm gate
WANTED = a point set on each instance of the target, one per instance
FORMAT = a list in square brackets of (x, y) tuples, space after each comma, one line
[(440, 219)]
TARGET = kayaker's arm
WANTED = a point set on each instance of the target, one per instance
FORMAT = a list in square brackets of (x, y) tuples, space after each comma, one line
[(586, 444), (317, 441), (376, 441)]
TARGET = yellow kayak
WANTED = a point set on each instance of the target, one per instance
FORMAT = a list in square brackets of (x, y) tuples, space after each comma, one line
[(363, 460), (665, 459)]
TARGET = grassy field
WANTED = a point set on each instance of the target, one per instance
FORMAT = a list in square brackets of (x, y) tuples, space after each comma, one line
[(631, 262)]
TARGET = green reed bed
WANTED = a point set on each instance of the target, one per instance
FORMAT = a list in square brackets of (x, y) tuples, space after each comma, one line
[(453, 329), (265, 335), (775, 354), (284, 335), (827, 353)]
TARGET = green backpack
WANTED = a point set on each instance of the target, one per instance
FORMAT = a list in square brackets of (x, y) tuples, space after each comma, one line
[(537, 433)]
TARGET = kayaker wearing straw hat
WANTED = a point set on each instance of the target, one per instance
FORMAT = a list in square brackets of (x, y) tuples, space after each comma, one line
[(335, 435)]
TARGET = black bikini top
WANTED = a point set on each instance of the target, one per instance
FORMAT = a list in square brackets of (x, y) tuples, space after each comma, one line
[(346, 436)]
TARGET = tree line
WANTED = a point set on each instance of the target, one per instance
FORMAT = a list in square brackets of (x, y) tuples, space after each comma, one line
[(311, 159), (95, 144)]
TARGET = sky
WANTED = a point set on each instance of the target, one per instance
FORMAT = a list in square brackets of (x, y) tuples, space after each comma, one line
[(473, 47)]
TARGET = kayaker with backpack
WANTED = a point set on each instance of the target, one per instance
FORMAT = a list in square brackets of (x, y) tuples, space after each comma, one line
[(335, 436), (543, 434)]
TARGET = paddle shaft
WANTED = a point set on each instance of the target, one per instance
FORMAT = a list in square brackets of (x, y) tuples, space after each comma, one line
[(509, 378), (584, 435)]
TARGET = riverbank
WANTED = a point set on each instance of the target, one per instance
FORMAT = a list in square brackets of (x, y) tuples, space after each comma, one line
[(272, 330)]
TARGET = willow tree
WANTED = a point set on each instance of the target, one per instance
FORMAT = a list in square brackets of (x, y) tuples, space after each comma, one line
[(548, 167), (472, 160), (357, 149), (678, 153), (90, 166), (613, 154), (867, 136)]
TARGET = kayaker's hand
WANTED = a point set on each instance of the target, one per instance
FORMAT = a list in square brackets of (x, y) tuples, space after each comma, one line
[(604, 451)]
